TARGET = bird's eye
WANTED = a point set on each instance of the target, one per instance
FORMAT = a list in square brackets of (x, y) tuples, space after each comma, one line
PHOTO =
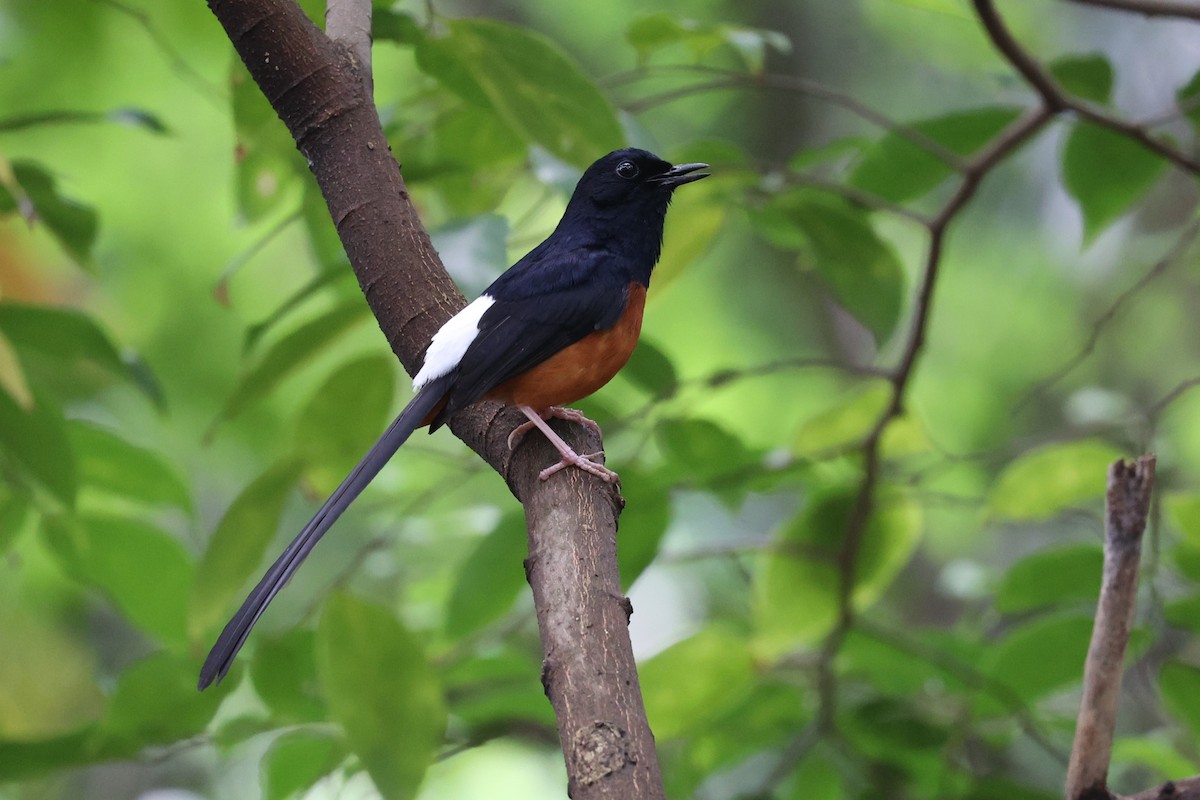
[(627, 169)]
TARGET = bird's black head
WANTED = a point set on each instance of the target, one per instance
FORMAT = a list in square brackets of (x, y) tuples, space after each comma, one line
[(634, 177), (620, 205)]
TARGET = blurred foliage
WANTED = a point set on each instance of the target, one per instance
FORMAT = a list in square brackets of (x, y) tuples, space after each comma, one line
[(186, 368)]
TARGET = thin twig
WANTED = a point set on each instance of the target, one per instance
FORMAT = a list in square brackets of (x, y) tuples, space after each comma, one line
[(730, 79), (1127, 506), (1149, 8), (182, 66), (1172, 256)]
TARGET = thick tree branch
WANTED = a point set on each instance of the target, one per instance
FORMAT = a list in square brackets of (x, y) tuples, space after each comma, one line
[(589, 672), (1128, 504)]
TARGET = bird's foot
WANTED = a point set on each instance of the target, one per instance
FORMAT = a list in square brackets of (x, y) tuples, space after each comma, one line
[(572, 459), (569, 457), (553, 412)]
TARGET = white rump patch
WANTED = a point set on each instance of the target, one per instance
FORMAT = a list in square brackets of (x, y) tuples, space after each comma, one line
[(451, 342)]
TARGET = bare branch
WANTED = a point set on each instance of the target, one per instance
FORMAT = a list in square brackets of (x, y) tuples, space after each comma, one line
[(1127, 506), (1057, 100), (1149, 8)]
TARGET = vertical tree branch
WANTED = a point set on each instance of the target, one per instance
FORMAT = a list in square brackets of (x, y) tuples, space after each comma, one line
[(1128, 504), (591, 679)]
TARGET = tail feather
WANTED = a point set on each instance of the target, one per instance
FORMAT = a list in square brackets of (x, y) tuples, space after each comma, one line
[(238, 628)]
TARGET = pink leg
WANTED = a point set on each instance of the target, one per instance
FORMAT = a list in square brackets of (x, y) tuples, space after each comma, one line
[(553, 412), (569, 457)]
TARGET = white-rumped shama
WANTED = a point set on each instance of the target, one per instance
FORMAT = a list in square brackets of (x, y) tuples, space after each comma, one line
[(555, 327)]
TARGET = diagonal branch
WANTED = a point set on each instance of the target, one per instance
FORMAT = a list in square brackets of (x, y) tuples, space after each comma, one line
[(572, 518), (1057, 100)]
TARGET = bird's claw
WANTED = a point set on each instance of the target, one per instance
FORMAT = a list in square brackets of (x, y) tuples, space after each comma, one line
[(569, 457), (584, 463)]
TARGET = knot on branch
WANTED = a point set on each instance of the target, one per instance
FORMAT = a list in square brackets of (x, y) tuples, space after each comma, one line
[(599, 750)]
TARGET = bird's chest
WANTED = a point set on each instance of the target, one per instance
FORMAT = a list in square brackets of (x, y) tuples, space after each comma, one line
[(580, 369)]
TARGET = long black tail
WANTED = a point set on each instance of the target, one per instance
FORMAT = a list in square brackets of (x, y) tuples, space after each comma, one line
[(234, 635)]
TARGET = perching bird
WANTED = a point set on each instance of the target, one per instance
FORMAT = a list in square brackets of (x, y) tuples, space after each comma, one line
[(555, 327)]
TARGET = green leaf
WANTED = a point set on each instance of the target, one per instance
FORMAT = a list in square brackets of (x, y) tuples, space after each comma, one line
[(652, 370), (816, 779), (697, 217), (73, 224), (1039, 657), (796, 595), (640, 534), (498, 686), (719, 670), (268, 164), (14, 513), (156, 702), (651, 33), (36, 443), (291, 353), (66, 335), (1089, 77), (1051, 577), (845, 424), (37, 759), (132, 117), (297, 760), (470, 156), (284, 673), (1188, 98), (332, 441), (1179, 684), (862, 270), (111, 464), (1155, 752), (1183, 509), (322, 237), (1184, 613), (389, 25), (529, 82), (895, 169), (1047, 480), (334, 277), (237, 546), (50, 686), (1107, 173), (490, 579), (701, 449), (382, 691), (150, 589)]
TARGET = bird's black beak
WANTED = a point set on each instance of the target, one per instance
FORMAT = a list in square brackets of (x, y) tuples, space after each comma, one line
[(681, 174)]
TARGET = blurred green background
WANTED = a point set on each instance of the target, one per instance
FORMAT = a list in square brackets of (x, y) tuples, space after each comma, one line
[(187, 368)]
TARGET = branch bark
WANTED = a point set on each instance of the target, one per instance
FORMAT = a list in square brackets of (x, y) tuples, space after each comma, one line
[(589, 672), (1127, 507)]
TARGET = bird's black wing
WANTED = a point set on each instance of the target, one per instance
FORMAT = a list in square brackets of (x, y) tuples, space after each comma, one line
[(539, 309)]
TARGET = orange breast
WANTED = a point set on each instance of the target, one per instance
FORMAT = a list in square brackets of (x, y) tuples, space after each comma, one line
[(582, 368)]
